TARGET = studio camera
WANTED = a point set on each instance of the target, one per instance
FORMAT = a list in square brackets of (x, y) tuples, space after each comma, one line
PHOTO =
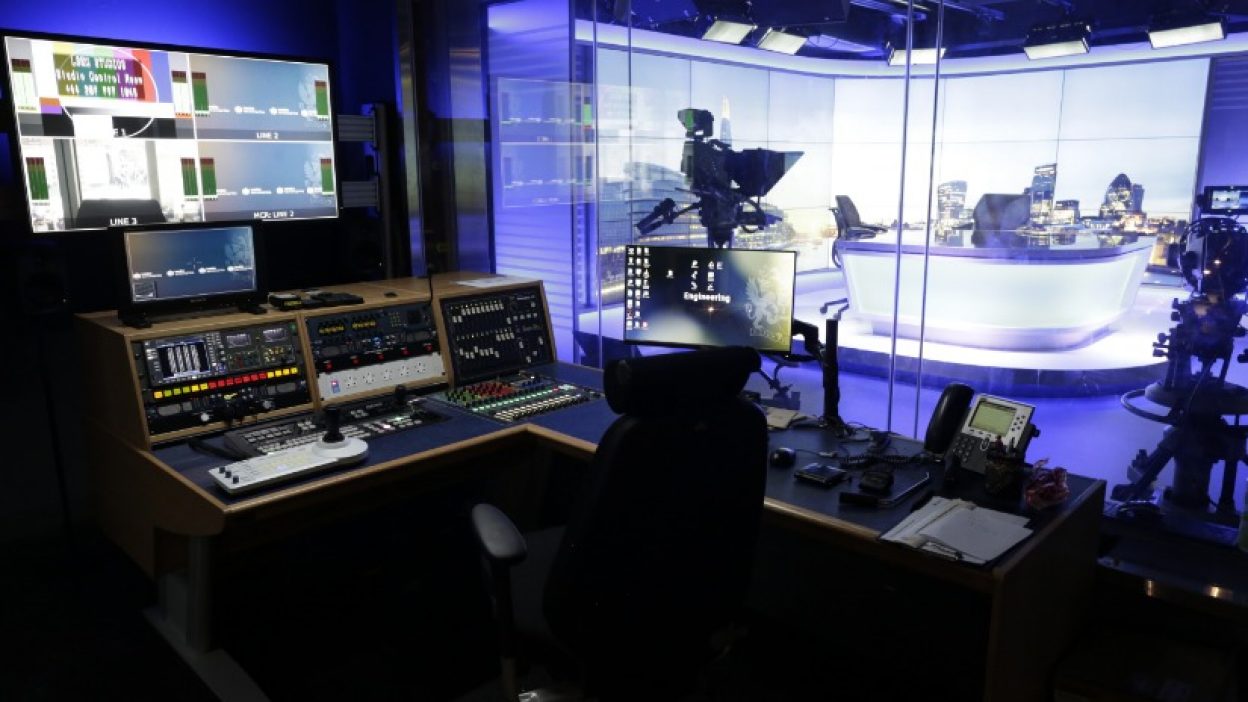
[(729, 185), (1214, 264), (1195, 391)]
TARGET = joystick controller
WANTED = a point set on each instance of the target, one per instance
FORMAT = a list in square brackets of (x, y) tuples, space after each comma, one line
[(333, 426), (334, 445)]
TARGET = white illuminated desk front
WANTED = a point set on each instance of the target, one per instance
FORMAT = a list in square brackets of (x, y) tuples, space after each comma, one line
[(1037, 297)]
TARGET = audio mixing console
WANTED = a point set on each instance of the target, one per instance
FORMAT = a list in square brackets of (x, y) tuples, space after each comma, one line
[(496, 333), (516, 397), (191, 380), (370, 351)]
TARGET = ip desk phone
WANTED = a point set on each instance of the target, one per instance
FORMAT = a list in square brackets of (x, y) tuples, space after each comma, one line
[(966, 429)]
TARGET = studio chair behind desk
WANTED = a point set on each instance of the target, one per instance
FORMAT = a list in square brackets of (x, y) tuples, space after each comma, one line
[(849, 226), (997, 219), (654, 564)]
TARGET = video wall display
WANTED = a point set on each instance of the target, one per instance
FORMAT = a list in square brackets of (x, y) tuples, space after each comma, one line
[(1096, 149), (115, 135)]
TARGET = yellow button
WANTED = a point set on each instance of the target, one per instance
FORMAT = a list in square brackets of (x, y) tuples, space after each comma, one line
[(158, 394), (177, 391), (271, 374), (294, 371)]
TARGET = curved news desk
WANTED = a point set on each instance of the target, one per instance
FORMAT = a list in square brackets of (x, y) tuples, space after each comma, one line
[(1020, 298)]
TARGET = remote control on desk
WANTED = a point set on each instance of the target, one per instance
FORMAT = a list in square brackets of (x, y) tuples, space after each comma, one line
[(277, 467)]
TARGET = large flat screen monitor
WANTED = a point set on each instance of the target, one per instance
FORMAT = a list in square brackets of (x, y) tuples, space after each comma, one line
[(116, 135), (171, 268), (709, 297)]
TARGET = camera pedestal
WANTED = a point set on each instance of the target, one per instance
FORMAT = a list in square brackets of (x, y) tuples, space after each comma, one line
[(1197, 437)]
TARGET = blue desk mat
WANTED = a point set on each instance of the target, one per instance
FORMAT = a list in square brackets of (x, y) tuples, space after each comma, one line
[(782, 486), (461, 426), (587, 422)]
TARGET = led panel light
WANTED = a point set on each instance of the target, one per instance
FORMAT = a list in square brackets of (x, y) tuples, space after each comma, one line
[(1056, 49), (728, 31), (918, 57), (782, 42), (1052, 41), (1191, 34)]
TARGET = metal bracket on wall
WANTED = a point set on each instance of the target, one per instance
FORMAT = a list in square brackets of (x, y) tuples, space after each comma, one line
[(371, 129)]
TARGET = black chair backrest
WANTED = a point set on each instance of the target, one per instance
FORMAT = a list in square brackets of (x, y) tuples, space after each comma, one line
[(997, 217), (847, 208), (658, 553), (842, 227)]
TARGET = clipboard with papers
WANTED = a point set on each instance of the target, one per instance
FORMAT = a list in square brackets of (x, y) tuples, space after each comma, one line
[(960, 530)]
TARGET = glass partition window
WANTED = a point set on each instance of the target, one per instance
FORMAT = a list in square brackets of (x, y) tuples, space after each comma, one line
[(1010, 224)]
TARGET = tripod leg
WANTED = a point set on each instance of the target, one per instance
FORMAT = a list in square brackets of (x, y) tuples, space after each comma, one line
[(1230, 469), (1146, 468)]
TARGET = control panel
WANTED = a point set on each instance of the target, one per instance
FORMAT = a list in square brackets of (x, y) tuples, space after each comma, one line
[(360, 419), (190, 380), (495, 333), (517, 397), (365, 351)]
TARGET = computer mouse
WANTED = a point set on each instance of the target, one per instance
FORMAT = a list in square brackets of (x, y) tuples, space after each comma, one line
[(783, 457), (392, 294)]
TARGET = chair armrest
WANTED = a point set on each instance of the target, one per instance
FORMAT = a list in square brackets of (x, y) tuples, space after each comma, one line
[(500, 540)]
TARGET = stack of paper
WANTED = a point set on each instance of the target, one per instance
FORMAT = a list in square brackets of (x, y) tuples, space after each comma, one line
[(961, 530)]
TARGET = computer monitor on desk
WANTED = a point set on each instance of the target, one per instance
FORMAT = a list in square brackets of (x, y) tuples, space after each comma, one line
[(695, 297), (171, 269)]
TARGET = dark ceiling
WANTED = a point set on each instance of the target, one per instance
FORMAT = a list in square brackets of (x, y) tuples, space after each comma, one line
[(865, 28)]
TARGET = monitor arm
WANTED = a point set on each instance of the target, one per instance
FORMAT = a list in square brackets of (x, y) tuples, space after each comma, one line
[(828, 365)]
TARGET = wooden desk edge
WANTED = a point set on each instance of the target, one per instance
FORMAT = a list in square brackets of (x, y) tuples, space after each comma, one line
[(409, 462)]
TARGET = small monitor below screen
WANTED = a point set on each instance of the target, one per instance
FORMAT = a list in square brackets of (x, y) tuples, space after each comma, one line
[(172, 269), (1226, 200), (709, 297)]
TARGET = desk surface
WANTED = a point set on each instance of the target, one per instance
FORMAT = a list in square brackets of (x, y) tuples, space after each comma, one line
[(577, 430), (1035, 595)]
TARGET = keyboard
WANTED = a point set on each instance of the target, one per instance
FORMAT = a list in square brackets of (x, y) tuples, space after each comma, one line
[(359, 420), (277, 467)]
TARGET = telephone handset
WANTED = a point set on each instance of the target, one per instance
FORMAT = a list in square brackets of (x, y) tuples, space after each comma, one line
[(947, 417), (967, 429)]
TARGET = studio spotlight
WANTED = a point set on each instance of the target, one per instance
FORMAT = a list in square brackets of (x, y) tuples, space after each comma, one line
[(918, 57), (728, 31), (1176, 30), (781, 41), (1051, 41)]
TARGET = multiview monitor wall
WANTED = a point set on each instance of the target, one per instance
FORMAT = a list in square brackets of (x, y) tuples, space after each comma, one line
[(119, 135)]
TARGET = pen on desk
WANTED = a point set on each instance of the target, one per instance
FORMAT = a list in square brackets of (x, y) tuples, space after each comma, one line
[(923, 500)]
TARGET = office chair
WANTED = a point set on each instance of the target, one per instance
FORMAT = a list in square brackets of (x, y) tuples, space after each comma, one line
[(647, 577), (997, 218), (849, 226)]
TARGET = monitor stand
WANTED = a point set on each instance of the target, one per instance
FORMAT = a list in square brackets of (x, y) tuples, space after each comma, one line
[(142, 320), (136, 320)]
